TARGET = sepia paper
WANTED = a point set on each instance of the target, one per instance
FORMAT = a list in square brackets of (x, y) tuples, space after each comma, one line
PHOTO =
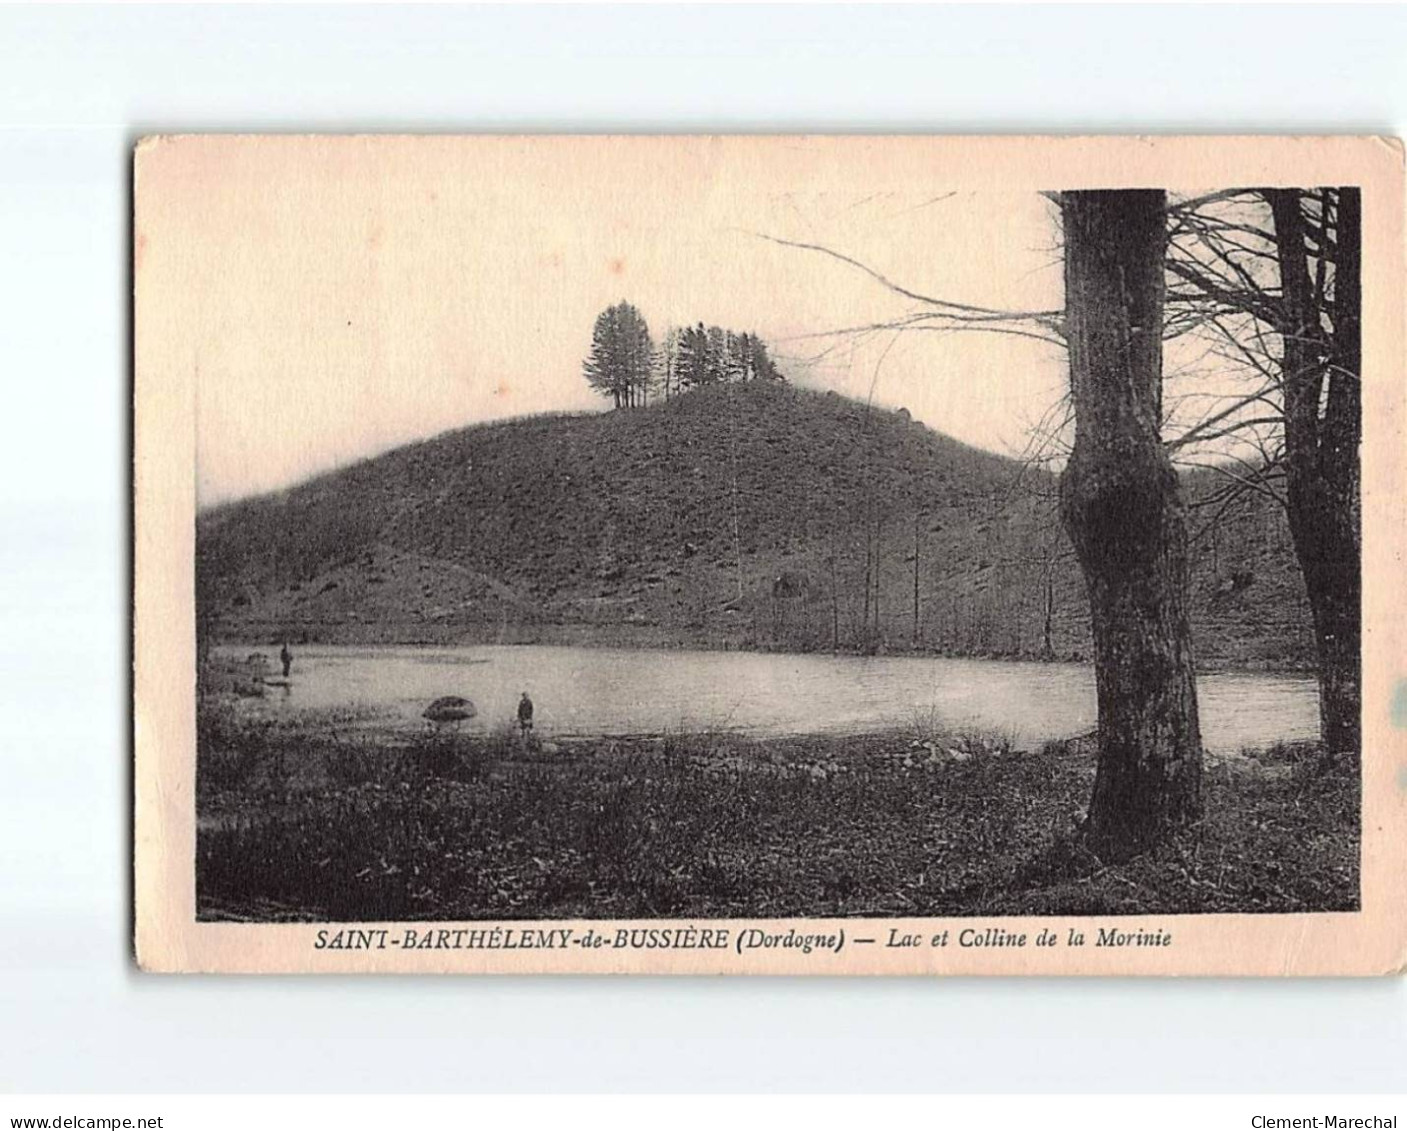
[(648, 555)]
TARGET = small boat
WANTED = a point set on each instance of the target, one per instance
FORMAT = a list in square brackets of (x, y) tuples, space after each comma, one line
[(449, 709)]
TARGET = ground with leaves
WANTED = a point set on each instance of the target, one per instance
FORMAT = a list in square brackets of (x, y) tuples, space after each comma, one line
[(329, 818)]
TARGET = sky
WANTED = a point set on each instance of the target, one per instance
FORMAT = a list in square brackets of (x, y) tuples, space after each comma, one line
[(335, 298)]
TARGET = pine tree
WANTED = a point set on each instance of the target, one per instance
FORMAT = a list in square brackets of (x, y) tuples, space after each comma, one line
[(760, 363), (717, 353), (693, 368), (618, 365), (667, 362)]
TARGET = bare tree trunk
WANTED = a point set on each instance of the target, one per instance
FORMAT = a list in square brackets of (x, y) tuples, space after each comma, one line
[(733, 494), (835, 601), (878, 637), (869, 557), (917, 636), (1048, 570), (1122, 508), (1321, 455)]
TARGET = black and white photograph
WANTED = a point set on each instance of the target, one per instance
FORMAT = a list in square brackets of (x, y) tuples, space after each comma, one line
[(660, 565)]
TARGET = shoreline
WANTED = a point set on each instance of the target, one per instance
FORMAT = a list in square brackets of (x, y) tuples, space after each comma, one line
[(272, 640)]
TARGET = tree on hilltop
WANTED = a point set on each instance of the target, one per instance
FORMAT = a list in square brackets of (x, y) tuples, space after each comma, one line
[(693, 367), (706, 355), (620, 361)]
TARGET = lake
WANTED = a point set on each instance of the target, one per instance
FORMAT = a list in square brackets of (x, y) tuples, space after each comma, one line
[(619, 691)]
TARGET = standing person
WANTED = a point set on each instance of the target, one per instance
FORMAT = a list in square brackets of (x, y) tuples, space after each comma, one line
[(525, 716), (286, 658)]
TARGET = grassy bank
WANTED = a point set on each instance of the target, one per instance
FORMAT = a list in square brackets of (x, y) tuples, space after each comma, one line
[(657, 638), (325, 818)]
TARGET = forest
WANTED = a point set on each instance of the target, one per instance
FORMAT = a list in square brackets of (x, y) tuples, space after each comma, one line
[(627, 365)]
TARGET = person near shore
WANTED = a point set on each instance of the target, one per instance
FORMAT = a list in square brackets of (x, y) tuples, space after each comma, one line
[(285, 658), (525, 716)]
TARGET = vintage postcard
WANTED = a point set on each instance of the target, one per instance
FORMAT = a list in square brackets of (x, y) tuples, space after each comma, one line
[(806, 555)]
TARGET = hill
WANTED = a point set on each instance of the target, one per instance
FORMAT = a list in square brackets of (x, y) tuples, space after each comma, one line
[(750, 515)]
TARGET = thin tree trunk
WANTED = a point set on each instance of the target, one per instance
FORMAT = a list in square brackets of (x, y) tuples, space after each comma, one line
[(1321, 455), (917, 636), (1047, 652), (733, 493), (878, 636), (869, 553), (1122, 508)]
